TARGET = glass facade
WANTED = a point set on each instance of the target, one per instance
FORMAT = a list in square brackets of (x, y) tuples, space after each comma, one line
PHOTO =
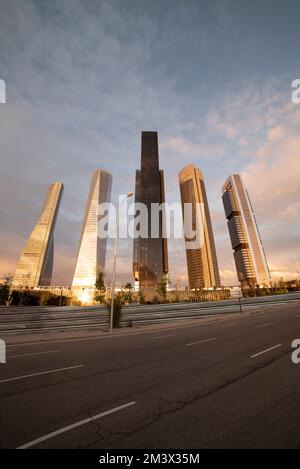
[(202, 263), (150, 257), (92, 249), (36, 262), (250, 260)]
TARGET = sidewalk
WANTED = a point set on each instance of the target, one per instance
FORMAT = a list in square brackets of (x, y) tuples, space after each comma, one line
[(65, 336)]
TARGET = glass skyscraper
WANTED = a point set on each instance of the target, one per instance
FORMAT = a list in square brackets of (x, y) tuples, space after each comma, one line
[(202, 263), (92, 248), (150, 254), (250, 260), (36, 262)]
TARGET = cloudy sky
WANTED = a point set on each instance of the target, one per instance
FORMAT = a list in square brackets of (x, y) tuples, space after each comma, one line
[(84, 77)]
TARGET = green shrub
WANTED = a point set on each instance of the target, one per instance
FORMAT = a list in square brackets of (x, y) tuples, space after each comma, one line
[(75, 302), (176, 297), (30, 299), (46, 298), (141, 297), (117, 310), (14, 298), (100, 298)]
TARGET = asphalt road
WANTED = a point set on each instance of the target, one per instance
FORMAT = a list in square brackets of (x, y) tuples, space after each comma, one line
[(223, 384)]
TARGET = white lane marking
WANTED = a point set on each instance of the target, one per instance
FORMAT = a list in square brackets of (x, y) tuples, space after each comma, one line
[(75, 425), (33, 353), (201, 341), (161, 336), (265, 325), (267, 350), (40, 373)]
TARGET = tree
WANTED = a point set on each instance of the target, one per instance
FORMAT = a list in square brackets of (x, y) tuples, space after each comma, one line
[(251, 291), (282, 283), (46, 298), (14, 298), (51, 299), (100, 285), (128, 292), (4, 294), (155, 300), (162, 288), (101, 288), (30, 299), (142, 299), (176, 296), (24, 289)]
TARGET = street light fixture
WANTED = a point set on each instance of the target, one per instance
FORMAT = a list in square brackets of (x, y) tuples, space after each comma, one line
[(129, 194)]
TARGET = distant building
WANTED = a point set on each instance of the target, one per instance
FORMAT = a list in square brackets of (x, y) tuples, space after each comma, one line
[(250, 260), (150, 255), (293, 284), (6, 279), (92, 249), (36, 262), (202, 263)]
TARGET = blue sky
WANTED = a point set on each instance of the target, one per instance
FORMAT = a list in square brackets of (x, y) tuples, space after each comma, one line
[(212, 77)]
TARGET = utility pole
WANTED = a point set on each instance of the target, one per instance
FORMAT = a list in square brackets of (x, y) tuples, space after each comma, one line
[(130, 194)]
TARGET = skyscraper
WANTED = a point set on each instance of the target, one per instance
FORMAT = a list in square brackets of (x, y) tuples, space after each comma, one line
[(92, 248), (36, 262), (150, 254), (202, 263), (250, 260)]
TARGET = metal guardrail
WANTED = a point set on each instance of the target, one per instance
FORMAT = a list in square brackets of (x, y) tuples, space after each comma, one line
[(42, 318)]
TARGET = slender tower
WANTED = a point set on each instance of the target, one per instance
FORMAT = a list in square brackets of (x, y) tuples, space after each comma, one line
[(36, 262), (92, 248), (202, 263), (250, 260), (150, 254)]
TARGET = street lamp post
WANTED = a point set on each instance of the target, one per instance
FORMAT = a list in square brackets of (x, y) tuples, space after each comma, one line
[(130, 194)]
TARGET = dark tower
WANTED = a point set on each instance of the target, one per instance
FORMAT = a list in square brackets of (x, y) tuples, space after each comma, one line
[(150, 255)]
